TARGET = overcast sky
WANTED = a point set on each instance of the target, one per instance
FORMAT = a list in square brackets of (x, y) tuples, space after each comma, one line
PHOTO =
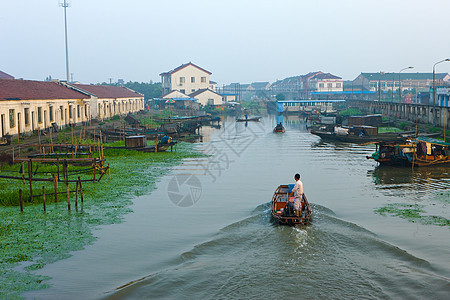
[(237, 40)]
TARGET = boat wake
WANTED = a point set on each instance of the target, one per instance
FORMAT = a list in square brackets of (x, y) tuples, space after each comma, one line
[(330, 258)]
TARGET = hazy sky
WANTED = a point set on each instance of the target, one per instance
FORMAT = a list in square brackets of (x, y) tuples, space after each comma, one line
[(236, 40)]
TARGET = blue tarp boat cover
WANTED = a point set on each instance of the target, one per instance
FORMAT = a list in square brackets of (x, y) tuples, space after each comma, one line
[(291, 186)]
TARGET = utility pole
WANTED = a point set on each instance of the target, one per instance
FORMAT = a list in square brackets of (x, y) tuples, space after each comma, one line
[(65, 5)]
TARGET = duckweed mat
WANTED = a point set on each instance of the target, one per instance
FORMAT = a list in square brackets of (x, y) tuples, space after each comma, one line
[(32, 239)]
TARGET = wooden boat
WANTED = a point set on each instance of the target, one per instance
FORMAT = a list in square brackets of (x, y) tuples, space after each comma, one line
[(421, 152), (352, 138), (279, 199), (279, 128), (254, 119)]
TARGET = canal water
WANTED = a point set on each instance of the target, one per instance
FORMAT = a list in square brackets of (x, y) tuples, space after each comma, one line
[(206, 231)]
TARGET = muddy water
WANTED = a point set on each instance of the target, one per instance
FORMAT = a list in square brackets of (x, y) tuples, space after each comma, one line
[(206, 231)]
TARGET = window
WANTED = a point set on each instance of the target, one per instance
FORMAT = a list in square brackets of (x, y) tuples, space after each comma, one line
[(181, 80), (85, 110), (61, 108), (39, 113), (192, 79), (329, 85), (338, 85), (70, 112), (50, 111), (78, 111), (321, 85), (193, 90), (12, 120), (210, 101), (203, 79), (183, 91), (26, 113)]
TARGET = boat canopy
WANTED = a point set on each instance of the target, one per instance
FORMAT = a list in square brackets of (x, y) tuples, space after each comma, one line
[(427, 139)]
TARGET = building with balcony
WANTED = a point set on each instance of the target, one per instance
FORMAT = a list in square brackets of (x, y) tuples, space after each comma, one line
[(187, 78)]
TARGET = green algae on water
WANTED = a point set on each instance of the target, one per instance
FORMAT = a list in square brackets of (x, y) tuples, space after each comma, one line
[(32, 239), (413, 213)]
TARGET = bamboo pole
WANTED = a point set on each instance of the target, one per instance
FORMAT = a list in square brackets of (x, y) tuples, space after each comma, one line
[(109, 172), (57, 161), (68, 195), (23, 172), (39, 137), (43, 197), (81, 189), (76, 196), (20, 200), (30, 165), (51, 139), (55, 186), (94, 165)]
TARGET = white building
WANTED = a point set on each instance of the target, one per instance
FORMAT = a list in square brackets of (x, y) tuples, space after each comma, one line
[(108, 101), (326, 82), (27, 105), (207, 97), (187, 78)]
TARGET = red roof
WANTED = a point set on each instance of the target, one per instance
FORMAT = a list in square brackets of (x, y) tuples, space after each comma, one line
[(182, 67), (3, 75), (108, 91), (36, 90)]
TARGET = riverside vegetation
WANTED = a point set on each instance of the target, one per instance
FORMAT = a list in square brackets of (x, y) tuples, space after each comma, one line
[(32, 239)]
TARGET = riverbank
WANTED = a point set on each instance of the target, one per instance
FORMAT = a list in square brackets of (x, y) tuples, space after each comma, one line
[(32, 239)]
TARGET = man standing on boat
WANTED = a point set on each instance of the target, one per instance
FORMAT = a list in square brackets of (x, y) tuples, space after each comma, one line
[(298, 192)]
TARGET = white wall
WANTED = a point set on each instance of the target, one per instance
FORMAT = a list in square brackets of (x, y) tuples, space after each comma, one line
[(188, 86), (209, 97)]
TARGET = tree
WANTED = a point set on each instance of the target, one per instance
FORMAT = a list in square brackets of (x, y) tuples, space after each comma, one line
[(280, 97)]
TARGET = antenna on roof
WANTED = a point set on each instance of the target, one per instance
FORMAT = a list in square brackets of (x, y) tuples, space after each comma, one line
[(65, 4)]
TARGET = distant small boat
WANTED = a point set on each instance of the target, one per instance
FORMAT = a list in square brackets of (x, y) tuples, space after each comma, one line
[(278, 129), (254, 119), (279, 200)]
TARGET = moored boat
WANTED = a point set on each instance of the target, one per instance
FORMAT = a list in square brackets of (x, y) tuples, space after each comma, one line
[(421, 152), (279, 200), (254, 119)]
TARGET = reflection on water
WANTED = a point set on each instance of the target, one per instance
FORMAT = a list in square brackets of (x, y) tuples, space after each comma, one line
[(417, 181)]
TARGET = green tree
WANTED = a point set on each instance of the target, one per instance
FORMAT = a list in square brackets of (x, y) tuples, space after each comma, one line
[(280, 97)]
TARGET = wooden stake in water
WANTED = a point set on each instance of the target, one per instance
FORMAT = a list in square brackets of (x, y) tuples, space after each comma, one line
[(43, 197), (55, 185), (21, 200), (76, 196), (68, 194), (81, 189), (30, 166)]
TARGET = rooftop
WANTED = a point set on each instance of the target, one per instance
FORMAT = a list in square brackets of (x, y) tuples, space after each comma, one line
[(182, 67), (3, 75), (404, 76), (36, 90), (108, 91)]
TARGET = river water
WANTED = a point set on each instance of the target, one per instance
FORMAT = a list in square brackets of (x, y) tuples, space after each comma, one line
[(206, 231)]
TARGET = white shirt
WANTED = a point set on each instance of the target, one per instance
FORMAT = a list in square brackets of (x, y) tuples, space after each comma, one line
[(298, 189)]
